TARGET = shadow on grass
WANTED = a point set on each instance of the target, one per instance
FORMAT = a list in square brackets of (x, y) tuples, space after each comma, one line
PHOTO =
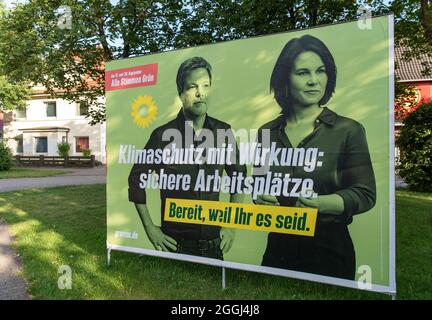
[(67, 226)]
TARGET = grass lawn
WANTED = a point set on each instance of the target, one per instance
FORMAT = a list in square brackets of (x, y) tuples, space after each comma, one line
[(16, 172), (66, 226)]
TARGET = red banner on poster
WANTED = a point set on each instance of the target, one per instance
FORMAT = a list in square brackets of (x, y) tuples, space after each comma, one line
[(145, 75)]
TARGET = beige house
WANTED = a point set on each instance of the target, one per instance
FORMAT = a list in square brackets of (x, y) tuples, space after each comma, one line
[(46, 122)]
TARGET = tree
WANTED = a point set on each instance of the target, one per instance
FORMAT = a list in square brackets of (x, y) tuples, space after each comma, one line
[(12, 95), (413, 27), (69, 62), (69, 59), (210, 21)]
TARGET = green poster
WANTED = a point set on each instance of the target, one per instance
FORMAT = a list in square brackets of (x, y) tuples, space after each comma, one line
[(272, 154)]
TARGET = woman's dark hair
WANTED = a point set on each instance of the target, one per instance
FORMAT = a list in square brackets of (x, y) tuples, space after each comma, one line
[(280, 78), (187, 67)]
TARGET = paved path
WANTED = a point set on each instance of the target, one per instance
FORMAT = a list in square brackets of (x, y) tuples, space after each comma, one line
[(74, 177), (13, 287)]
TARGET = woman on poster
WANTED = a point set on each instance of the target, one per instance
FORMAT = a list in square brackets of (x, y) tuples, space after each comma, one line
[(303, 81)]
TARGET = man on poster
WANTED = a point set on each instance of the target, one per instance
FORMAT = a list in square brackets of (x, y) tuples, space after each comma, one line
[(194, 79)]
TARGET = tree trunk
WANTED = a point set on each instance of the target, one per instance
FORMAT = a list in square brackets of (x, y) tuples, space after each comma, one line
[(425, 19)]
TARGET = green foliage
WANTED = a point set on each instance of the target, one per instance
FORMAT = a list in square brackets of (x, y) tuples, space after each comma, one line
[(12, 95), (63, 149), (5, 157), (405, 100), (415, 143), (37, 50), (86, 152), (210, 21), (413, 28), (72, 60)]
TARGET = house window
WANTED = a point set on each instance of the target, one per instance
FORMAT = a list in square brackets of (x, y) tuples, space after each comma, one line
[(51, 109), (82, 143), (20, 145), (21, 113), (83, 108), (41, 144)]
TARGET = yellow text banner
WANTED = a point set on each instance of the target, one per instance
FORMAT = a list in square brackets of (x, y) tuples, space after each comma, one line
[(290, 220)]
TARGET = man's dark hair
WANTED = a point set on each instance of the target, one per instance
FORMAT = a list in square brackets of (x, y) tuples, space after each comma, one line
[(187, 67), (280, 78)]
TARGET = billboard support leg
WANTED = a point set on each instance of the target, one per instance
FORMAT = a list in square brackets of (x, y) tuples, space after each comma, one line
[(223, 278), (393, 295), (108, 257)]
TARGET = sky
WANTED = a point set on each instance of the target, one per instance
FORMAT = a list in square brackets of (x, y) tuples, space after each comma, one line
[(9, 2)]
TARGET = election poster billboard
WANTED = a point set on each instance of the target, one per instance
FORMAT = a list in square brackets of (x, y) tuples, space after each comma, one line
[(271, 154)]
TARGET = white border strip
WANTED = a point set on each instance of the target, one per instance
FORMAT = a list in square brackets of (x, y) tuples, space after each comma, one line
[(253, 268), (392, 262)]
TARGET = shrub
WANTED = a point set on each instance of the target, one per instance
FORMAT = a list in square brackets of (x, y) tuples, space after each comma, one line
[(86, 152), (415, 143), (5, 157), (63, 149)]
